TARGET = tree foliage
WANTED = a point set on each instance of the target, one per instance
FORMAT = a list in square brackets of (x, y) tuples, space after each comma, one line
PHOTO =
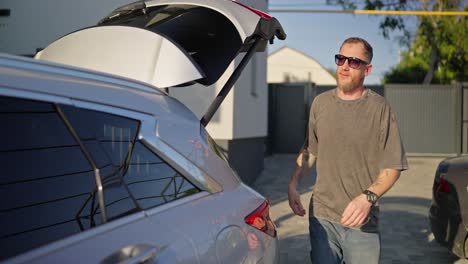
[(437, 49)]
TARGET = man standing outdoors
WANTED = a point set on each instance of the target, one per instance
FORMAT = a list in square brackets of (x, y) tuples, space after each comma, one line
[(353, 136)]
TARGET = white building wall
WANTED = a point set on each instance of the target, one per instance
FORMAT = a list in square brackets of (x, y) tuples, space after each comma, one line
[(251, 94), (34, 24), (288, 65), (251, 100)]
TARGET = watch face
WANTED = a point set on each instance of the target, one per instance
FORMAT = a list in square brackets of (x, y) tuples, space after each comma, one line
[(371, 197)]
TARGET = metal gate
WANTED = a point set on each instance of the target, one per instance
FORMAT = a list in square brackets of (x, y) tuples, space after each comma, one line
[(288, 116), (464, 107), (429, 117)]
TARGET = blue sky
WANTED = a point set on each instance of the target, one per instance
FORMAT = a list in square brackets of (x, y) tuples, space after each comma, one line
[(320, 35)]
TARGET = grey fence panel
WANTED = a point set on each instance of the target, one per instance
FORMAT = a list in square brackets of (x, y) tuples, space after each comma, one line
[(429, 117), (287, 117), (464, 87)]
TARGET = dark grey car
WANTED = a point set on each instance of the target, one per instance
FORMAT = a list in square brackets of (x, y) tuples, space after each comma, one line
[(448, 214)]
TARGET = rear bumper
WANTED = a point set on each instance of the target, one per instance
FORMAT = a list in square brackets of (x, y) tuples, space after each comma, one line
[(448, 230), (272, 252)]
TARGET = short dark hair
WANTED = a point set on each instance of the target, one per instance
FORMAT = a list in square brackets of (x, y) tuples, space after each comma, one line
[(367, 47)]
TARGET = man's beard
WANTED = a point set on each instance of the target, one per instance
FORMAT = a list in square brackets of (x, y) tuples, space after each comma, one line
[(347, 86), (351, 84)]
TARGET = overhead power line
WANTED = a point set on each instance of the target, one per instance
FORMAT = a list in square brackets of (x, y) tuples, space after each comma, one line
[(373, 12)]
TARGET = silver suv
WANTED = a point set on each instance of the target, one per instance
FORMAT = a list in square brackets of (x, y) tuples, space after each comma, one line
[(101, 166)]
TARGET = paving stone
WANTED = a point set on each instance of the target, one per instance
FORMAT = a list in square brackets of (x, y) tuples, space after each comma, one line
[(404, 224)]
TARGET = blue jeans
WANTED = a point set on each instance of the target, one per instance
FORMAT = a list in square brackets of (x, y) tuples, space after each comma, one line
[(332, 243)]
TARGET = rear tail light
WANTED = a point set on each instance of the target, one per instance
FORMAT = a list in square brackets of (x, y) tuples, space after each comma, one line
[(442, 185), (256, 11), (260, 219)]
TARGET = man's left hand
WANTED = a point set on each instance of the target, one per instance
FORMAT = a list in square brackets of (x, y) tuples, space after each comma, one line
[(356, 212)]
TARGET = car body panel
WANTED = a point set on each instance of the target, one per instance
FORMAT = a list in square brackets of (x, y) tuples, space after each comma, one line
[(102, 242), (225, 239), (457, 175), (448, 213)]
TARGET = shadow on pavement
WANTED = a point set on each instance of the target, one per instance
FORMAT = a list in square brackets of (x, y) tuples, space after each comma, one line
[(295, 249), (405, 233)]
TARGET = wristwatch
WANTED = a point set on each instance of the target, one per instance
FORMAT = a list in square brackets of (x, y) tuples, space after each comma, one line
[(371, 196)]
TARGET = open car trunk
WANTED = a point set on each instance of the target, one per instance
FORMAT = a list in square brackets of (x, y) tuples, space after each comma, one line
[(169, 43)]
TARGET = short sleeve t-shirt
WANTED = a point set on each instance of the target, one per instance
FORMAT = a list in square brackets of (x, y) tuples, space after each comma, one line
[(353, 141)]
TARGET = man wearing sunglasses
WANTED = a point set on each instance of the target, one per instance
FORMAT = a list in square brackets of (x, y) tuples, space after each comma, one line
[(353, 136)]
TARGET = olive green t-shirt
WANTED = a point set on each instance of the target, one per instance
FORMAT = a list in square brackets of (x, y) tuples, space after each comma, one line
[(352, 141)]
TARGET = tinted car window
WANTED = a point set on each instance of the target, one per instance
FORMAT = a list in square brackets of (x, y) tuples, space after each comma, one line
[(45, 178), (48, 185), (109, 140), (152, 182)]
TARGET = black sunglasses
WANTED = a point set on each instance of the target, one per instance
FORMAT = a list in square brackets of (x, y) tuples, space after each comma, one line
[(352, 62)]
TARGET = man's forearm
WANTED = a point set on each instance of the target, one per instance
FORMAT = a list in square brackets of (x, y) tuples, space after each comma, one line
[(385, 181), (358, 209), (304, 164)]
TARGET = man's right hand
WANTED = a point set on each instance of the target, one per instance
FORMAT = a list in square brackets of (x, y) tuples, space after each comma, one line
[(304, 163), (295, 201)]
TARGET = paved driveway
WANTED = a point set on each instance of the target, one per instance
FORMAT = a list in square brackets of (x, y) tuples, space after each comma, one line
[(405, 233)]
